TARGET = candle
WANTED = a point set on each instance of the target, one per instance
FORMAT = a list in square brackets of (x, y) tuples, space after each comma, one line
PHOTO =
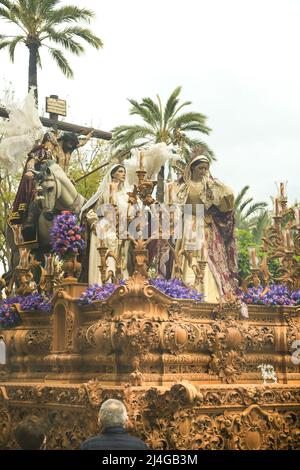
[(203, 252), (297, 217), (49, 264), (287, 241), (18, 237), (276, 207), (141, 161), (282, 192), (100, 234), (252, 256), (24, 254), (290, 243), (170, 193)]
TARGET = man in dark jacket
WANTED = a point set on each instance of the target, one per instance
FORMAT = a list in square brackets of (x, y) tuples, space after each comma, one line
[(112, 421)]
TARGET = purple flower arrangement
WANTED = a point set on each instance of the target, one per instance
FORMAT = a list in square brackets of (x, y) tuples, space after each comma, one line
[(173, 288), (9, 317), (277, 294), (35, 301), (176, 289), (66, 235), (96, 292)]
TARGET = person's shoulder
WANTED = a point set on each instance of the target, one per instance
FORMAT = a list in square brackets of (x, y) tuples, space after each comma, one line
[(90, 442), (137, 441)]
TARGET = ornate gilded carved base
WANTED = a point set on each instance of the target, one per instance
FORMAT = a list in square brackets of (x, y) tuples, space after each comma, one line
[(181, 417), (191, 369)]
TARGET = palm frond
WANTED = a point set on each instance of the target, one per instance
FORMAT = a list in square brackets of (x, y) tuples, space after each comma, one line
[(245, 204), (153, 108), (5, 13), (61, 62), (246, 224), (29, 5), (85, 34), (6, 3), (240, 195), (13, 45), (121, 130), (4, 44), (127, 135), (179, 108), (255, 207), (44, 6), (139, 110), (24, 13), (190, 116), (65, 40), (69, 14), (261, 222), (186, 118), (171, 105), (191, 126), (12, 13)]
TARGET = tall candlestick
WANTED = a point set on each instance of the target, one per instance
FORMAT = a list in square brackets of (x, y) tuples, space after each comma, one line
[(290, 242), (276, 207), (170, 193), (253, 259), (203, 253), (287, 240), (100, 234), (49, 266), (142, 160), (297, 217)]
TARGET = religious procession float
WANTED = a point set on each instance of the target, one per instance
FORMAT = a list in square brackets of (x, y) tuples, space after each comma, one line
[(126, 296)]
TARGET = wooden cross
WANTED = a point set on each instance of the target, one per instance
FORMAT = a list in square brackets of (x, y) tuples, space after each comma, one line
[(53, 121)]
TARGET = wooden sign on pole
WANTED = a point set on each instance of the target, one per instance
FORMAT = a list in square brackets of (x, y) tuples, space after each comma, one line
[(56, 106)]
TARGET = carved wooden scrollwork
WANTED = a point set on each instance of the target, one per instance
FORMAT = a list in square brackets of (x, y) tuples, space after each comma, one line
[(5, 427), (38, 341), (184, 416)]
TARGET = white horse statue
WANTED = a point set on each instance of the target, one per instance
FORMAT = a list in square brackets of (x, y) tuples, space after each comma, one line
[(56, 193)]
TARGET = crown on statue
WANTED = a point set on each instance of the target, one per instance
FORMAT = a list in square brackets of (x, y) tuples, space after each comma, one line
[(199, 151)]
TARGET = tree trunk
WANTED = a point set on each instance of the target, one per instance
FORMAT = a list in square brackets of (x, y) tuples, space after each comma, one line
[(32, 71), (160, 194)]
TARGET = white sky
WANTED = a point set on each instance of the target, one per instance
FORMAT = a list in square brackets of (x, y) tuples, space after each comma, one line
[(237, 61)]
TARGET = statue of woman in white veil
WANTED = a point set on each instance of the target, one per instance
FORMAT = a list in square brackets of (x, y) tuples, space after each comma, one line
[(98, 216)]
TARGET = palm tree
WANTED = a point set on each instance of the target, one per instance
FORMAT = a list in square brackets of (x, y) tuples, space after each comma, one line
[(45, 23), (250, 215), (162, 124)]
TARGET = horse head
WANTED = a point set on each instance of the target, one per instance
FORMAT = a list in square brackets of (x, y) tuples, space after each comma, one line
[(49, 187), (55, 190)]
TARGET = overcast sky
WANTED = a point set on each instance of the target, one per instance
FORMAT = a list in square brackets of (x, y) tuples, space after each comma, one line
[(237, 61)]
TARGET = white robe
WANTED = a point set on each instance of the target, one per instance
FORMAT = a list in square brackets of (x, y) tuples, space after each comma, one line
[(108, 232)]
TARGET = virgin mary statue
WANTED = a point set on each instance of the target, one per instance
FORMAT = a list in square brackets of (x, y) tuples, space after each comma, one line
[(99, 221), (197, 186)]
